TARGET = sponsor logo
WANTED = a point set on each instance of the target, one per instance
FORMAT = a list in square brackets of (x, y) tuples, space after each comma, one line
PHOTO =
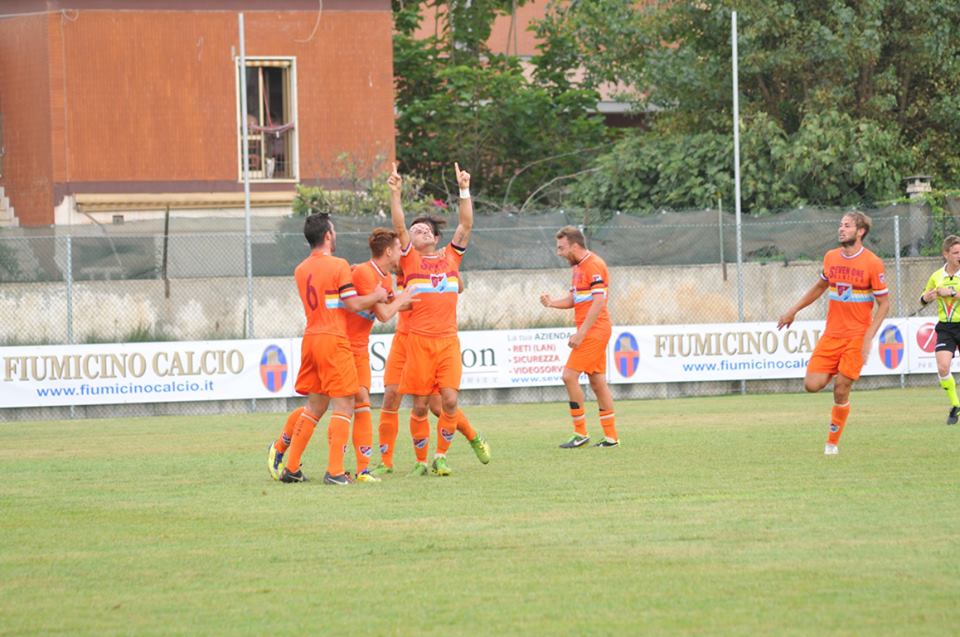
[(927, 337), (844, 291), (273, 368), (438, 280), (891, 347), (626, 354)]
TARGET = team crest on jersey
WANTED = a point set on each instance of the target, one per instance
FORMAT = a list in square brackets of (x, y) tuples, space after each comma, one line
[(883, 278), (597, 278), (438, 280), (844, 291), (366, 451)]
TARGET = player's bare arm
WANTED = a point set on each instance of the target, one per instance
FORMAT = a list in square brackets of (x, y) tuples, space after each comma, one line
[(461, 237), (596, 307), (387, 310), (395, 182), (883, 307), (562, 303), (812, 295), (367, 301)]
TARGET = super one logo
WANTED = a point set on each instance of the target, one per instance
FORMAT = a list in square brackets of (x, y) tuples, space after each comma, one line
[(106, 365)]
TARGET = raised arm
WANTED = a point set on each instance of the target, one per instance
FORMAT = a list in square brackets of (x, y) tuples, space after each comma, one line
[(461, 237), (812, 295), (396, 207)]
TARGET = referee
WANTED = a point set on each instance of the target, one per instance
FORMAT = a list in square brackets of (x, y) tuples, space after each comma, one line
[(942, 286)]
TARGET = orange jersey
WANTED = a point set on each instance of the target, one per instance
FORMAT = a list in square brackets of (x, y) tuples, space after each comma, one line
[(590, 281), (436, 280), (854, 284), (403, 316), (366, 277), (324, 281)]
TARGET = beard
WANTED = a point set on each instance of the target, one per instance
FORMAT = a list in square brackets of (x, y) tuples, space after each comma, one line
[(849, 243)]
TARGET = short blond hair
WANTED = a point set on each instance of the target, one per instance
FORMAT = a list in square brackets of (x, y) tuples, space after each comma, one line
[(949, 242), (573, 235), (861, 220)]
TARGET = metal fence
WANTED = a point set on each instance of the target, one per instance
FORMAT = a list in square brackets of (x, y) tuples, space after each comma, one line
[(139, 282)]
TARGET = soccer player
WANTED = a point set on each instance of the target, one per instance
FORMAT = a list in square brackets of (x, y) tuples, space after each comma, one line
[(432, 345), (942, 287), (385, 251), (390, 406), (588, 355), (856, 280), (327, 371)]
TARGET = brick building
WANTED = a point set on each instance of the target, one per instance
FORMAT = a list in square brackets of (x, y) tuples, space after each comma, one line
[(113, 109)]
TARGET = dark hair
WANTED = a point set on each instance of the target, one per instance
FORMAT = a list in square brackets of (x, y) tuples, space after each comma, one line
[(316, 227), (381, 239), (572, 234), (861, 220), (435, 223)]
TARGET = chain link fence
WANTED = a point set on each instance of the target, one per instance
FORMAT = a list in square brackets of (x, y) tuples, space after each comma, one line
[(185, 280)]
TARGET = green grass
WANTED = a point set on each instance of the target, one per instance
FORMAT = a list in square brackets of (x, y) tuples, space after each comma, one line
[(717, 516)]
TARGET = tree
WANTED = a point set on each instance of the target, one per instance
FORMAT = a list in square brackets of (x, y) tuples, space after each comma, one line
[(458, 101), (839, 99)]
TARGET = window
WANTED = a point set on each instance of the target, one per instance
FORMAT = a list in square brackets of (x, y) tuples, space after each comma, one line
[(271, 152)]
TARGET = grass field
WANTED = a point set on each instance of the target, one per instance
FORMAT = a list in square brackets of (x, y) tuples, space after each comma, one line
[(717, 516)]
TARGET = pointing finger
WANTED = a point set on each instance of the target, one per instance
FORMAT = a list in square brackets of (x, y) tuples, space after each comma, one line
[(456, 167)]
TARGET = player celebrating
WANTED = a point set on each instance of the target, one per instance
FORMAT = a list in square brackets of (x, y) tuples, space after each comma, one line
[(390, 407), (942, 286), (432, 345), (588, 298), (855, 278), (385, 251), (327, 371)]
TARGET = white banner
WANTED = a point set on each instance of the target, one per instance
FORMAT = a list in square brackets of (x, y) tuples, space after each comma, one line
[(228, 370), (144, 372)]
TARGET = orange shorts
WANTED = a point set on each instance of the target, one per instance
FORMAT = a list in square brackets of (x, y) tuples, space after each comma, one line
[(590, 357), (832, 355), (432, 362), (326, 366), (395, 360), (362, 362)]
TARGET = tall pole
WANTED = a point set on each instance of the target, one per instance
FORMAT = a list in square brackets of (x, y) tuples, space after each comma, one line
[(736, 166), (736, 174), (245, 162)]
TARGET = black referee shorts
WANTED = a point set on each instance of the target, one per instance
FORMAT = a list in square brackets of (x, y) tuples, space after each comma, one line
[(948, 337)]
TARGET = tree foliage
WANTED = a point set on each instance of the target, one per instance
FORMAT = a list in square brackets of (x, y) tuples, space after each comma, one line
[(457, 101), (839, 99)]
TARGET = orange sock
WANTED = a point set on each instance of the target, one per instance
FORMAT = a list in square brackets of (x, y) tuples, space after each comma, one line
[(463, 426), (302, 431), (838, 418), (608, 420), (446, 430), (420, 431), (579, 420), (287, 434), (362, 435), (338, 432), (389, 424)]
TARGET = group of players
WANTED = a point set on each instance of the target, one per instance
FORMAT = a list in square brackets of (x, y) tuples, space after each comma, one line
[(341, 304), (424, 362)]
